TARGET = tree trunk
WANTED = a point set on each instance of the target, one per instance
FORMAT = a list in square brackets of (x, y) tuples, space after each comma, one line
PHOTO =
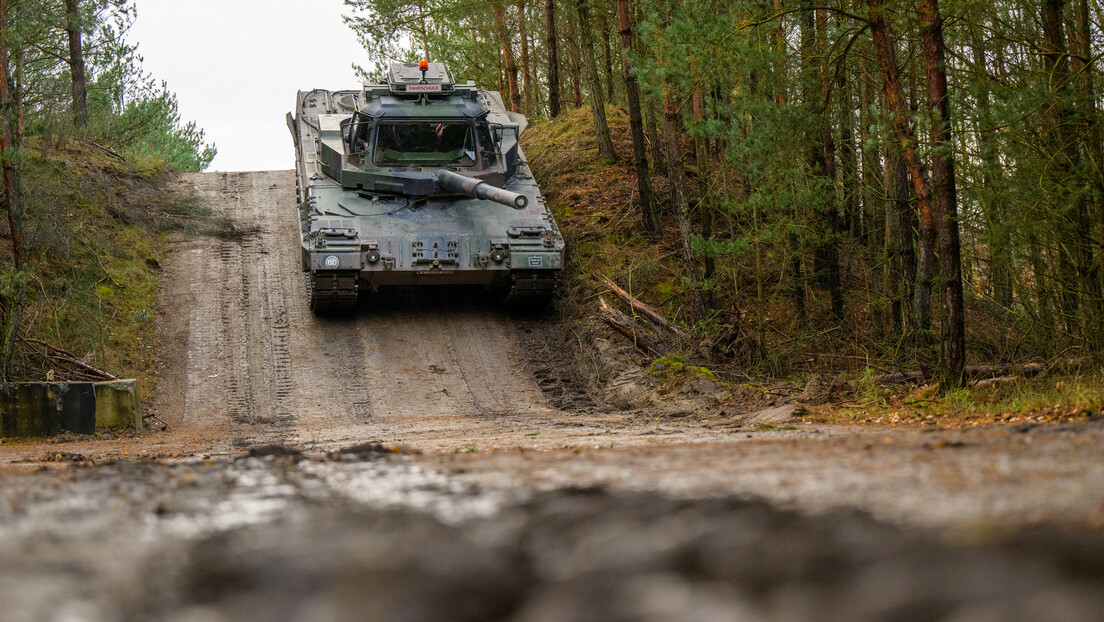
[(607, 54), (1095, 151), (598, 107), (1093, 238), (575, 64), (997, 237), (906, 136), (659, 166), (500, 73), (944, 198), (1042, 284), (11, 304), (681, 203), (905, 221), (874, 223), (423, 31), (797, 292), (891, 284), (552, 43), (827, 167), (1074, 256), (507, 54), (852, 221), (705, 206), (526, 69), (636, 125), (780, 49), (76, 65)]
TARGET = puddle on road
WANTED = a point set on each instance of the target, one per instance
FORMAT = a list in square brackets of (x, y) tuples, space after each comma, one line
[(251, 493), (385, 484), (193, 500)]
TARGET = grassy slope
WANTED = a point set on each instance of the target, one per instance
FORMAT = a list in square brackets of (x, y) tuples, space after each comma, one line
[(96, 228), (593, 202)]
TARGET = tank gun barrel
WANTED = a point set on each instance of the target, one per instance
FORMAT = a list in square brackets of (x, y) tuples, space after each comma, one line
[(478, 189)]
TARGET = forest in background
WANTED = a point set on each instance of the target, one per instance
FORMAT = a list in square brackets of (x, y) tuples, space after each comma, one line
[(918, 180), (88, 142)]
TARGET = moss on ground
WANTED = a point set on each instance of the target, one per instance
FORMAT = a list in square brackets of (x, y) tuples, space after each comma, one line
[(679, 365), (96, 228)]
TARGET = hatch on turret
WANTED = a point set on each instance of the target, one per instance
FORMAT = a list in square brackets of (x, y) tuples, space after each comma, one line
[(407, 78)]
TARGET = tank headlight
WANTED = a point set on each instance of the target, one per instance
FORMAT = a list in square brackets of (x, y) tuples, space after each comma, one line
[(373, 256), (498, 256), (332, 262)]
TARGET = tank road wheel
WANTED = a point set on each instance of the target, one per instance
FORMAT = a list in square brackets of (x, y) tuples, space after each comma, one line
[(532, 290), (332, 292)]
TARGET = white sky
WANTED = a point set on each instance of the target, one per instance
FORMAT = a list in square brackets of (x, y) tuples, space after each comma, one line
[(235, 66)]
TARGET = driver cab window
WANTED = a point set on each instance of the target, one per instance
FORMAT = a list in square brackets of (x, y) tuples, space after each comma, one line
[(361, 135), (425, 143)]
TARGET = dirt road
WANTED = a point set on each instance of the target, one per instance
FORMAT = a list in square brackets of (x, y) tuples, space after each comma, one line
[(432, 458), (441, 368)]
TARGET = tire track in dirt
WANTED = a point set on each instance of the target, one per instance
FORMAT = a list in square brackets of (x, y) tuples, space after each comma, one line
[(262, 329), (491, 365), (437, 366), (250, 339)]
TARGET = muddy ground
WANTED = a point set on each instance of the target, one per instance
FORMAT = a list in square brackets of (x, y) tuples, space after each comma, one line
[(435, 458)]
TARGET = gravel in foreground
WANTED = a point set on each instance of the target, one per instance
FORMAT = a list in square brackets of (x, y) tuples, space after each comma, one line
[(564, 555)]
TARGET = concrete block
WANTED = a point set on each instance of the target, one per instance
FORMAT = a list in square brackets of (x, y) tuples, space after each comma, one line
[(41, 409), (38, 409), (118, 404)]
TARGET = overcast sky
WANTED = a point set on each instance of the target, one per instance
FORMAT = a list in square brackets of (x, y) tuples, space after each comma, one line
[(235, 66)]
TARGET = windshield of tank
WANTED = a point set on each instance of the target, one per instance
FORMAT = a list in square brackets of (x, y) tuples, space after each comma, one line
[(424, 143)]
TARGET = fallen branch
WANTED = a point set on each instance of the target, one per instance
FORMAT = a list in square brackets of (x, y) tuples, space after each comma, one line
[(86, 371), (641, 308), (50, 348), (627, 327), (992, 383), (156, 418), (973, 372), (900, 378), (78, 368), (107, 150), (989, 371)]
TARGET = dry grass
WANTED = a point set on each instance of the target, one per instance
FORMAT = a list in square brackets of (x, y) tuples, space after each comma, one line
[(1038, 401)]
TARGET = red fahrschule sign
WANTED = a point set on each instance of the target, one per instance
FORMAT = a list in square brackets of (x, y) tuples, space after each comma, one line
[(423, 88)]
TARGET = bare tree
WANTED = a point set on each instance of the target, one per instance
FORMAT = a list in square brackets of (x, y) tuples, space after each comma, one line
[(11, 302), (76, 65), (507, 55), (952, 360), (552, 43), (906, 137), (636, 125), (677, 175), (526, 69), (594, 85)]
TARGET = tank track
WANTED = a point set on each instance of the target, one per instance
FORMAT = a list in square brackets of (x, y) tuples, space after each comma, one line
[(332, 292), (532, 288)]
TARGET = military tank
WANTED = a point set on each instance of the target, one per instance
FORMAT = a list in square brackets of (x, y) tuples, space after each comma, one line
[(418, 181)]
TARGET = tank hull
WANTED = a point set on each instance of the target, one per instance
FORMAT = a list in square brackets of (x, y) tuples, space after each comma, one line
[(390, 239)]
